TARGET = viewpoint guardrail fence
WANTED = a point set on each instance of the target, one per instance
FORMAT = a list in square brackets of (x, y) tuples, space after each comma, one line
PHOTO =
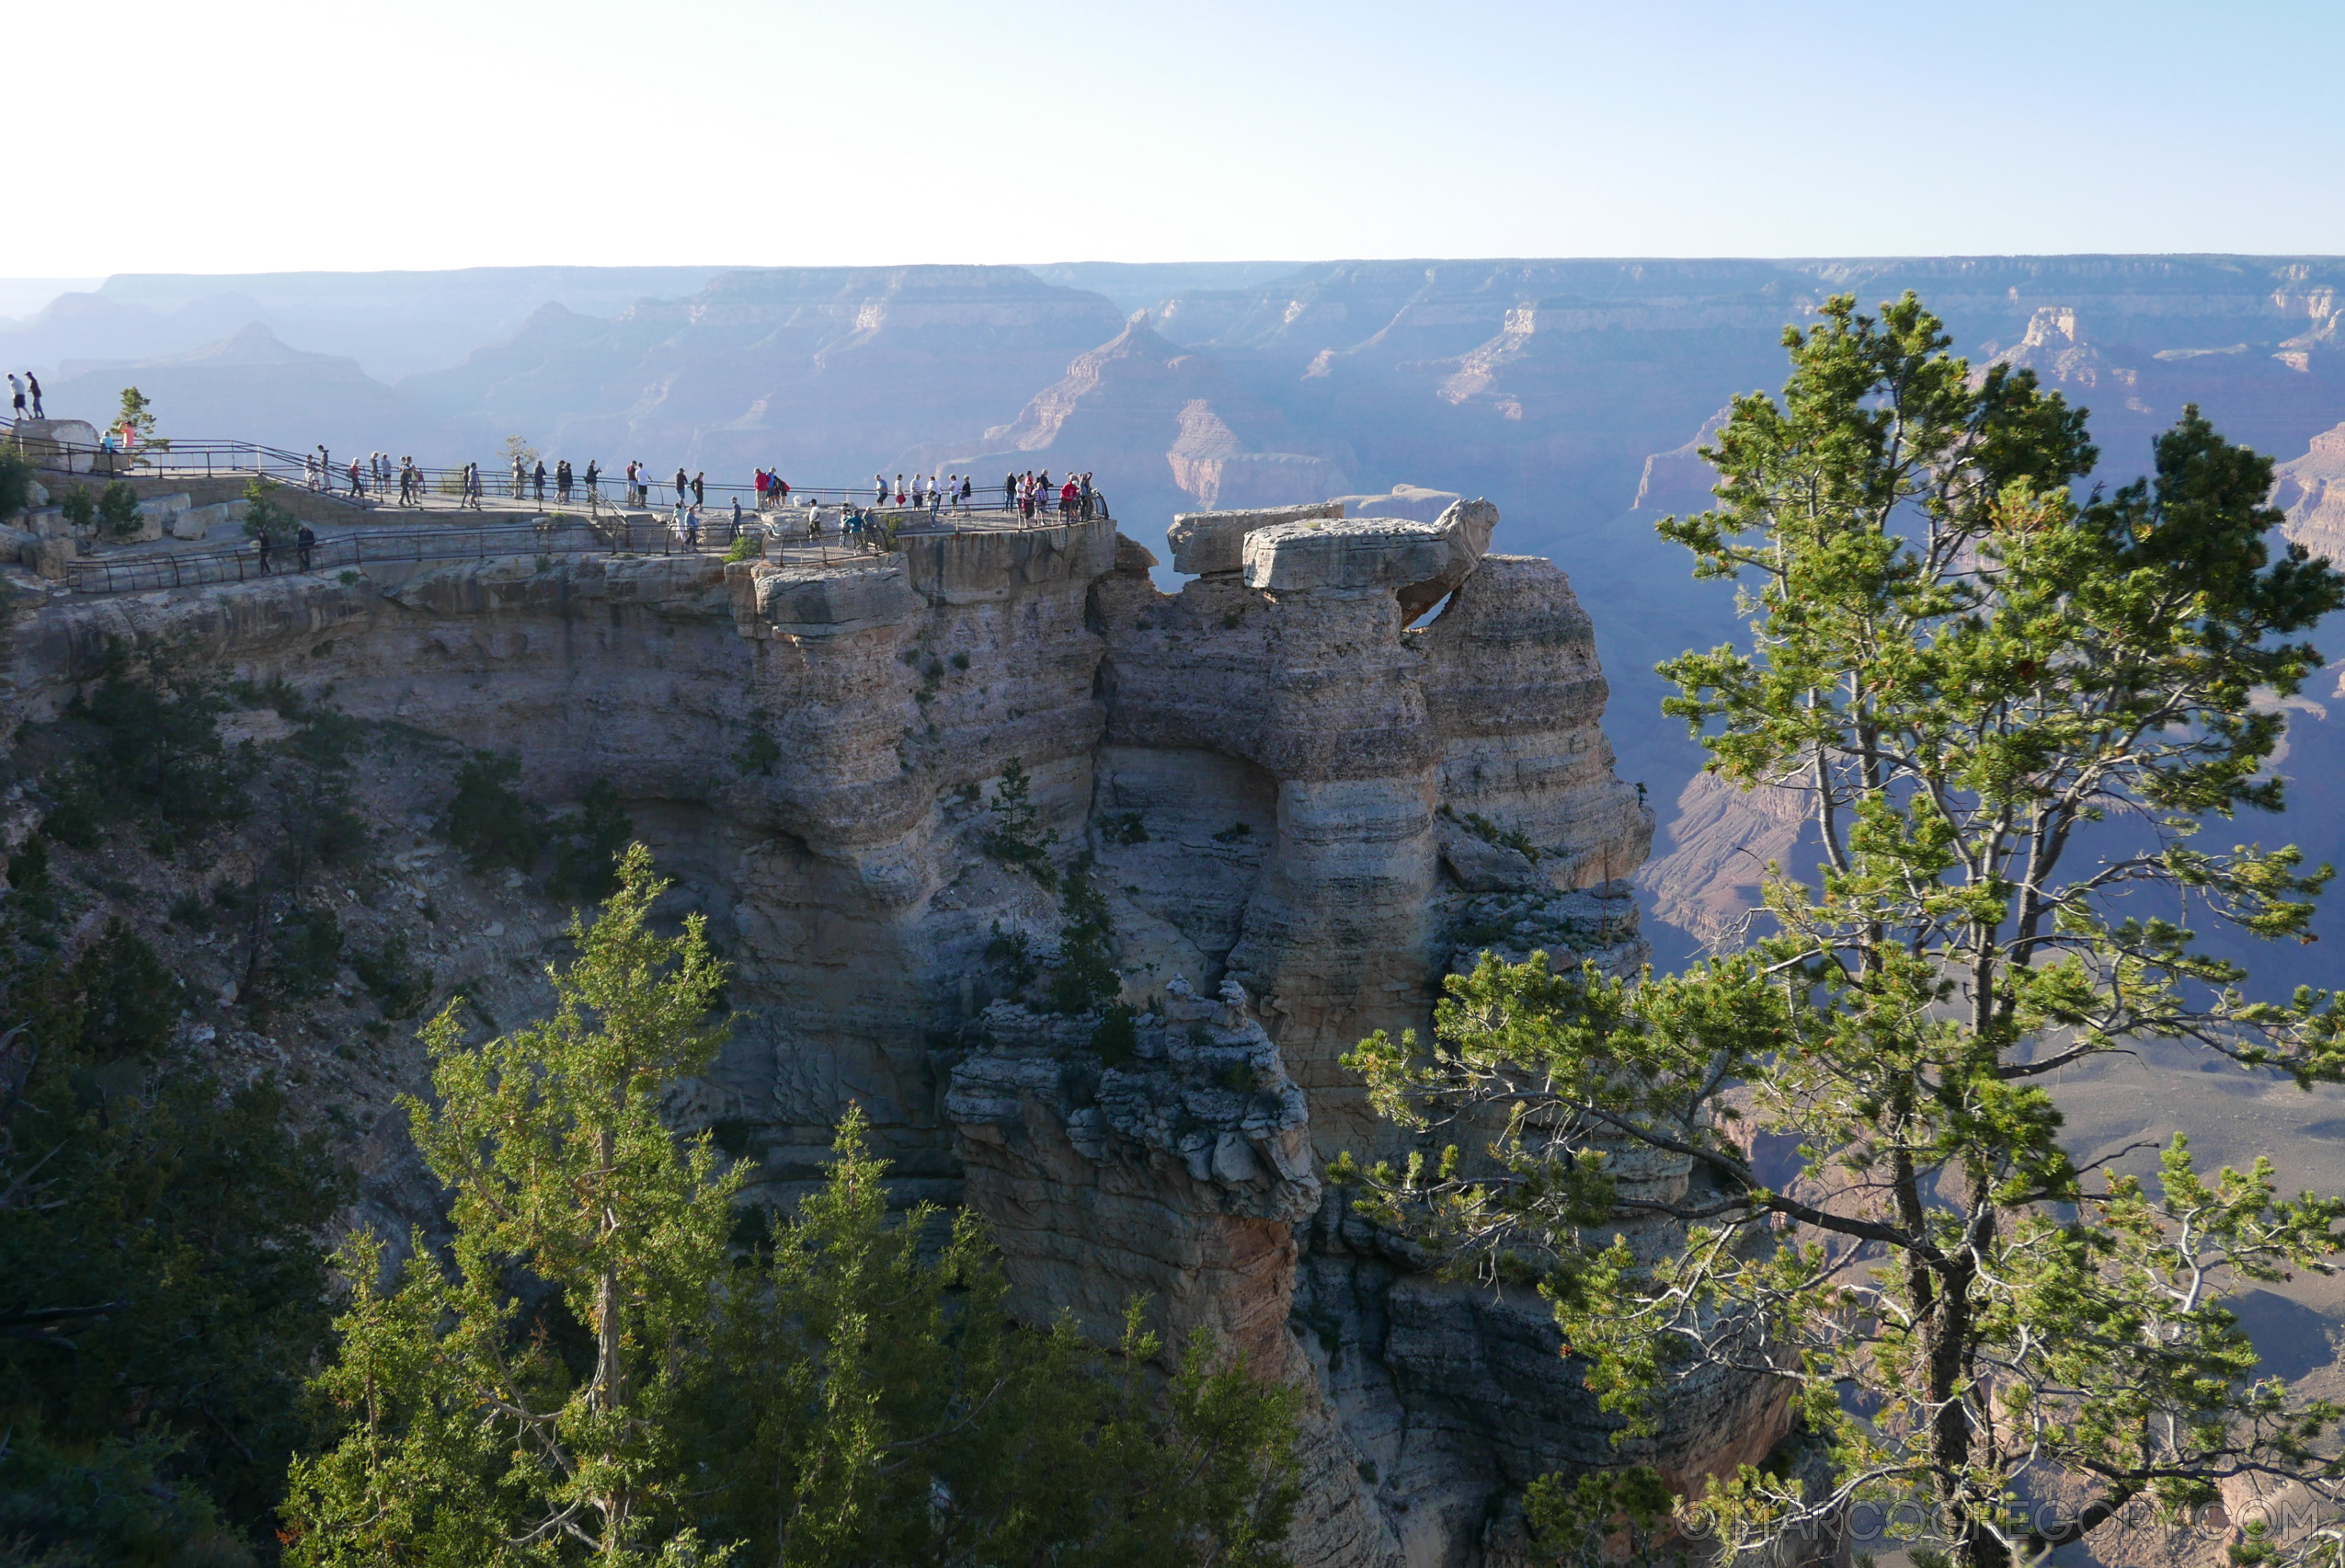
[(379, 485)]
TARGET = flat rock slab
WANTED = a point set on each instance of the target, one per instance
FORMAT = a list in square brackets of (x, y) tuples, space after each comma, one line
[(1420, 561), (1209, 542)]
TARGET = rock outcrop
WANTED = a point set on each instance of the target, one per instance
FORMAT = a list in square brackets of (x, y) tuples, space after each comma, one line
[(2311, 490), (1292, 803)]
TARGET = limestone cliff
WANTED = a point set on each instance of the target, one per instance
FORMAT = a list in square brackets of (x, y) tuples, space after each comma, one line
[(1344, 758)]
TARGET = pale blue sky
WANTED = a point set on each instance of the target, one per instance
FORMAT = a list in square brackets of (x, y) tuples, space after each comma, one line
[(255, 134)]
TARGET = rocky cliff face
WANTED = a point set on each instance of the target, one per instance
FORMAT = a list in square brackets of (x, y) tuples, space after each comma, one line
[(1344, 758), (2311, 490)]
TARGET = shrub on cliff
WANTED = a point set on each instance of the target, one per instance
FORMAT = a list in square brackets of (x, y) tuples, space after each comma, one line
[(594, 1372), (17, 477), (489, 820), (587, 844), (118, 508), (2009, 712), (1014, 835), (150, 754), (266, 521)]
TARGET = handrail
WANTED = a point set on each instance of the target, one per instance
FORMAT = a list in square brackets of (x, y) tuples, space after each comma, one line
[(305, 471)]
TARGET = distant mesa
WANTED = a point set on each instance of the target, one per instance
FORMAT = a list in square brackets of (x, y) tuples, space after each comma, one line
[(2063, 357)]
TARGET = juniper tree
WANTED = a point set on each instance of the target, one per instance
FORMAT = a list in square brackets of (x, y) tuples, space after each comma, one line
[(2014, 716)]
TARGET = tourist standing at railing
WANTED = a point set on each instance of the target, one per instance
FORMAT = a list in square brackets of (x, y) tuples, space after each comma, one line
[(700, 488), (471, 486), (406, 481), (968, 489), (562, 481), (593, 479), (306, 541), (880, 489), (539, 478)]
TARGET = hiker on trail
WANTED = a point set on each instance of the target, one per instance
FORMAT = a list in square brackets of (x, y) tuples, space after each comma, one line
[(324, 467), (32, 384), (306, 541), (357, 480), (261, 545), (691, 527), (736, 517), (539, 477), (17, 393)]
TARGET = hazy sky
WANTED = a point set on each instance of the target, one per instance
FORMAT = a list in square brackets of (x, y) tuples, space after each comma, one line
[(250, 134)]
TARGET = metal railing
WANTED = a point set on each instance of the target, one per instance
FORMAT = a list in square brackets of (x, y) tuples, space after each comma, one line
[(379, 485)]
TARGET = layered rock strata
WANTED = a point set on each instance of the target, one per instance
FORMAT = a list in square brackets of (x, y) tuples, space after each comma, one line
[(1293, 804)]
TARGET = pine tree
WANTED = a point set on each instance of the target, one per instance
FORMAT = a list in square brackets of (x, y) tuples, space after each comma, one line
[(486, 1428), (2010, 712)]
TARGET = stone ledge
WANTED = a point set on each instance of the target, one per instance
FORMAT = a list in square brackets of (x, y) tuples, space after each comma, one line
[(1209, 541), (1422, 562)]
